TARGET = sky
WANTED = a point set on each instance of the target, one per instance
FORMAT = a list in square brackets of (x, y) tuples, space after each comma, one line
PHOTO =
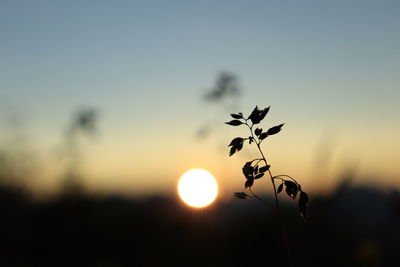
[(328, 69)]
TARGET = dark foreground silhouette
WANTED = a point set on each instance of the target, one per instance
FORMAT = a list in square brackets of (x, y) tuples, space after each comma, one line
[(352, 227)]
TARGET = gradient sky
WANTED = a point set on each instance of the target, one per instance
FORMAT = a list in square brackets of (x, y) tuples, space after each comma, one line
[(329, 69)]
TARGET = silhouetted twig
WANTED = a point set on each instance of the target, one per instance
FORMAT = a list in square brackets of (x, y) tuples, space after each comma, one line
[(256, 168)]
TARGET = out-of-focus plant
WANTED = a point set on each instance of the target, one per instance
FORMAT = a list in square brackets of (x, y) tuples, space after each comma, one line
[(225, 86), (224, 95), (83, 124)]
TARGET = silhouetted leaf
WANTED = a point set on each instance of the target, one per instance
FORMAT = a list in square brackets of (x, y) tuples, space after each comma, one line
[(232, 151), (248, 183), (237, 116), (291, 189), (234, 122), (258, 131), (236, 141), (303, 201), (265, 168), (263, 113), (304, 196), (256, 169), (247, 164), (275, 129), (239, 147), (251, 139), (263, 136), (258, 115), (254, 116), (290, 184), (241, 195), (248, 170), (280, 187), (258, 176), (236, 145)]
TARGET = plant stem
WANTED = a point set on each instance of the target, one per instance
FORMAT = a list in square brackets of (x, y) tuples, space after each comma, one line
[(266, 163), (263, 201), (272, 179), (284, 175), (283, 230)]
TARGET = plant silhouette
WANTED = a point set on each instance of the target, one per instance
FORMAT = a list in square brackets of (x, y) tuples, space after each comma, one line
[(225, 86), (257, 168), (83, 124), (224, 95)]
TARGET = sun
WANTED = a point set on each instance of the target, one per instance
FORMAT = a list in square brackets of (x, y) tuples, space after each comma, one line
[(197, 188)]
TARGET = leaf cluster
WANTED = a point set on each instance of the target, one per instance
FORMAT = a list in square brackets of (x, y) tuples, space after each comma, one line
[(292, 188), (255, 117), (252, 172)]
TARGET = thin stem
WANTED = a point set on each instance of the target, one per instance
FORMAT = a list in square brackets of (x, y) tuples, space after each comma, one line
[(258, 160), (277, 209), (284, 175), (266, 163), (262, 200)]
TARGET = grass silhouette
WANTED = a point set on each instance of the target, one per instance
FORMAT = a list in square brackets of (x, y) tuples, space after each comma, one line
[(257, 168)]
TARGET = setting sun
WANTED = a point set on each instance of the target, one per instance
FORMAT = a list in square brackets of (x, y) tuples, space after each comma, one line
[(197, 188)]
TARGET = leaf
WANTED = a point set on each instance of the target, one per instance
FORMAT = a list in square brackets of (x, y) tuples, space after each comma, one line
[(248, 183), (239, 147), (232, 151), (291, 189), (303, 203), (251, 139), (247, 164), (254, 113), (241, 195), (263, 113), (255, 116), (237, 116), (303, 210), (235, 148), (236, 145), (280, 187), (248, 170), (275, 129), (256, 170), (236, 141), (234, 122), (263, 136), (290, 184), (258, 115), (265, 168), (258, 176), (258, 131), (304, 196)]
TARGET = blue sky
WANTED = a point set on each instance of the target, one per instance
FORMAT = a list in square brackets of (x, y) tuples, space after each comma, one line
[(324, 66)]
